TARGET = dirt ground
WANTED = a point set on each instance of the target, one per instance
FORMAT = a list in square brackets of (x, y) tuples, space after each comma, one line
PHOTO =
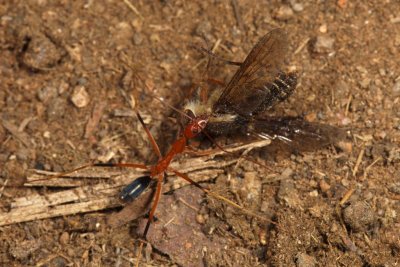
[(64, 65)]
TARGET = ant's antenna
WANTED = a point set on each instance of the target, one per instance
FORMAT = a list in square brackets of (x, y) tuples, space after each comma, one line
[(132, 101)]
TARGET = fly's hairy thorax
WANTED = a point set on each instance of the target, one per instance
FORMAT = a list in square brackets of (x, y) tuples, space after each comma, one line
[(218, 123)]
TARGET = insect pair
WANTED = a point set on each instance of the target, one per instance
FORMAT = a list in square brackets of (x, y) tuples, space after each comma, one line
[(257, 85)]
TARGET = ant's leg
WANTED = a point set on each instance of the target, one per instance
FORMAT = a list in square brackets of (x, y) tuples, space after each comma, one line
[(155, 204), (149, 135), (157, 196)]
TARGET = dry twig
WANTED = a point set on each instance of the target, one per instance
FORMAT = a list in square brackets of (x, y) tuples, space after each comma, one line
[(83, 198), (21, 136), (358, 162), (133, 8)]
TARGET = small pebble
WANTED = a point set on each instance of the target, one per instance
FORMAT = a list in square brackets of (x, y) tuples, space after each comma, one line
[(323, 28), (396, 88), (200, 219), (251, 185), (70, 252), (364, 83), (286, 174), (391, 237), (345, 146), (155, 38), (262, 235), (22, 250), (46, 134), (316, 211), (334, 227), (138, 38), (80, 97), (41, 53), (23, 154), (166, 66), (362, 69), (58, 262), (305, 260), (82, 81), (203, 28), (311, 97), (313, 183), (297, 7), (345, 182), (381, 134), (85, 255), (46, 92), (185, 83), (288, 193), (137, 24), (64, 238), (56, 108), (324, 44), (123, 34), (345, 121), (284, 13), (313, 193), (264, 206), (63, 87), (359, 216), (395, 188), (324, 186), (395, 19)]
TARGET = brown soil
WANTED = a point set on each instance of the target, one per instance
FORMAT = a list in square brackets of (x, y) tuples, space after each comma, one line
[(63, 65)]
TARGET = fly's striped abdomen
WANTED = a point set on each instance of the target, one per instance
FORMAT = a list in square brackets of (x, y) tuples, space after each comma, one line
[(277, 91)]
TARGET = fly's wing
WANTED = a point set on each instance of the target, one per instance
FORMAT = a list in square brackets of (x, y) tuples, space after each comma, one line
[(296, 133), (258, 83)]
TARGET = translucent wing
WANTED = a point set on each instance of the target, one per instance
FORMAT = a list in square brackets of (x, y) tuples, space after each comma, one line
[(258, 83), (296, 133)]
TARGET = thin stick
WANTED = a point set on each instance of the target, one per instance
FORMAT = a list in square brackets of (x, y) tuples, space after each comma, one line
[(237, 14), (21, 136), (346, 111), (358, 162), (216, 196), (133, 8), (111, 165), (346, 196), (89, 198), (4, 186), (243, 156), (302, 45), (370, 166)]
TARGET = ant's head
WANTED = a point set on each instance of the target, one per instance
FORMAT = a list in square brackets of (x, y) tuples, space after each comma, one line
[(195, 126)]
